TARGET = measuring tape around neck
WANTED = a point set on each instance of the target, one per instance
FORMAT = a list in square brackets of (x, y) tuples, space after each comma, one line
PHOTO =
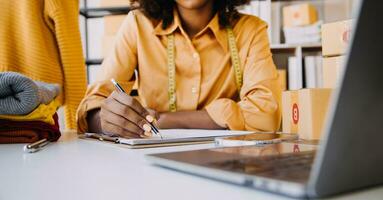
[(171, 74), (235, 58), (172, 67)]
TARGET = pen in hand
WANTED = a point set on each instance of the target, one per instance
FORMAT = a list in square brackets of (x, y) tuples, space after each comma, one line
[(148, 128)]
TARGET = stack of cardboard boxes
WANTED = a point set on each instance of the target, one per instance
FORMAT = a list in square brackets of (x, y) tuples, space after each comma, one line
[(335, 39), (300, 24), (304, 110)]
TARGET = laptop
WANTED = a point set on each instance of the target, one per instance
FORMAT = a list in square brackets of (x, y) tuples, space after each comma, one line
[(350, 155)]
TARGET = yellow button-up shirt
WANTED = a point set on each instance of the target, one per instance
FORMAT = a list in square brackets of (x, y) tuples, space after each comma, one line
[(204, 74)]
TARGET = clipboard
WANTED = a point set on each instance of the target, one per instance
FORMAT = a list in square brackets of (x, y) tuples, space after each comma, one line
[(171, 137), (143, 146)]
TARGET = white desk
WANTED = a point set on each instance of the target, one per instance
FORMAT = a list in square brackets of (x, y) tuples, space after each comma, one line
[(77, 169)]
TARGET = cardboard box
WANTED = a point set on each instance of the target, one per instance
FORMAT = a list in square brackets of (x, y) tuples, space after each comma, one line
[(112, 24), (299, 15), (304, 112), (336, 38), (290, 112), (337, 10), (332, 68), (107, 44), (114, 3), (282, 78)]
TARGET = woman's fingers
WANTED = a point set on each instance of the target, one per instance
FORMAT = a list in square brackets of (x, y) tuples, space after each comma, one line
[(114, 130), (131, 102), (119, 110), (120, 121), (126, 112)]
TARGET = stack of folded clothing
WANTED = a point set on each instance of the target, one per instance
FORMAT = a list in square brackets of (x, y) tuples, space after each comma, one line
[(27, 109)]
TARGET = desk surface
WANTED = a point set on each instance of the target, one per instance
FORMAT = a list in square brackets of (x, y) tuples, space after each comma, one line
[(81, 169)]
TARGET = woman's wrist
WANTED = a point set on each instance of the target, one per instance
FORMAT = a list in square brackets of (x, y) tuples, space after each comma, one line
[(166, 120), (187, 119), (93, 120)]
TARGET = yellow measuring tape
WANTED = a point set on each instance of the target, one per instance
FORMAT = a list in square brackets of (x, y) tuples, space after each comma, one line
[(235, 58), (172, 67), (171, 74)]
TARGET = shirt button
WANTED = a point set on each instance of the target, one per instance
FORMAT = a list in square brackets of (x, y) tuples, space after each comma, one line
[(195, 55), (194, 90)]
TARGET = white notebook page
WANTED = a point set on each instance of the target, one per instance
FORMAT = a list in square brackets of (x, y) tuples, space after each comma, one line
[(182, 135)]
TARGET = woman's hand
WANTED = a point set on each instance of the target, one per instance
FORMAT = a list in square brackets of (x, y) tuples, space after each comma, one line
[(122, 115)]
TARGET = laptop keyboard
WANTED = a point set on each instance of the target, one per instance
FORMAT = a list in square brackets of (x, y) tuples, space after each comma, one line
[(289, 167)]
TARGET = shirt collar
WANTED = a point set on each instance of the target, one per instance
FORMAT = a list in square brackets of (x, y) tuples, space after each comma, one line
[(219, 33), (171, 28)]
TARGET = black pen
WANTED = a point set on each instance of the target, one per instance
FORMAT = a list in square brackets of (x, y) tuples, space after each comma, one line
[(148, 118)]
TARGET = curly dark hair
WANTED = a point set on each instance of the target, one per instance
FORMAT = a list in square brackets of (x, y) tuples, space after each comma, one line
[(163, 10)]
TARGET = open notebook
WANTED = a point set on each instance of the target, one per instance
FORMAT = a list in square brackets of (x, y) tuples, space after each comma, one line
[(178, 136), (182, 135)]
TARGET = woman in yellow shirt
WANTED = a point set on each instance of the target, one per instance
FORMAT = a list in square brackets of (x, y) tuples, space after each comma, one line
[(200, 64)]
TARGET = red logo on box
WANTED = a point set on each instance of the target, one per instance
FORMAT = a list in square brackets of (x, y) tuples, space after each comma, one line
[(346, 36), (295, 113), (296, 148), (296, 15)]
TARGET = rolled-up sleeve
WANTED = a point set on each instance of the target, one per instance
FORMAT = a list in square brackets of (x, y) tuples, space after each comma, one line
[(119, 65), (260, 95)]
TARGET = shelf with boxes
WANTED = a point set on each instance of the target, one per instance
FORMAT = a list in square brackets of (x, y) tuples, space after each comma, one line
[(301, 30), (310, 53), (294, 33), (304, 110)]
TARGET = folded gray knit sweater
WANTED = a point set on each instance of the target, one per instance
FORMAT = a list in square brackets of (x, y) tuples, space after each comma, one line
[(19, 95)]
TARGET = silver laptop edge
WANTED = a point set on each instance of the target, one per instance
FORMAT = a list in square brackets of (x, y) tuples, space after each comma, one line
[(351, 156), (291, 189), (331, 113)]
